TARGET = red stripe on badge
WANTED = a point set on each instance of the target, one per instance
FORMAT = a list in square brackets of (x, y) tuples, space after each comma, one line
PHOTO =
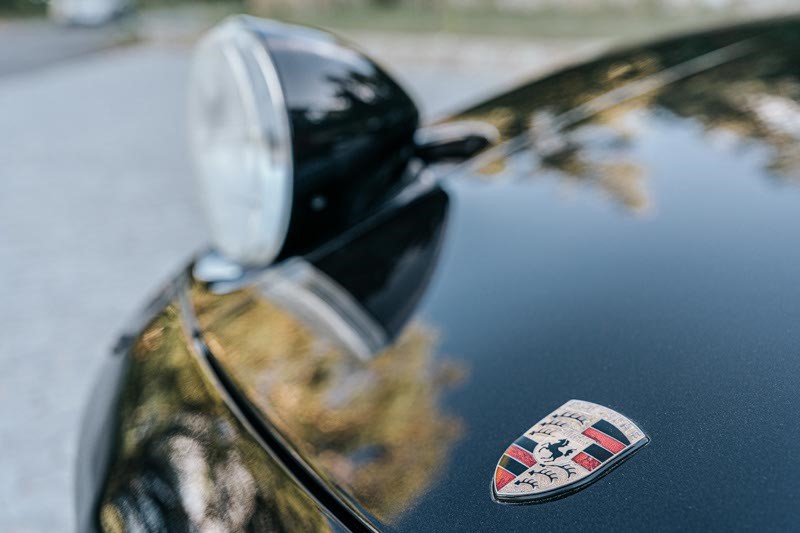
[(502, 477), (609, 443), (523, 456), (586, 461)]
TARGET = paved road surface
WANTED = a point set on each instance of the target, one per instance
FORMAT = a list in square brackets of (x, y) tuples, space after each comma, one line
[(31, 44), (97, 208)]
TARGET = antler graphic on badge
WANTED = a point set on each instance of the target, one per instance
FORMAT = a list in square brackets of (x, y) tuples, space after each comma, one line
[(548, 474), (555, 423), (566, 467), (527, 481), (572, 416)]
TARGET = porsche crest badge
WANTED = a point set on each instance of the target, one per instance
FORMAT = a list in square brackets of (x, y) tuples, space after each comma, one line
[(563, 452)]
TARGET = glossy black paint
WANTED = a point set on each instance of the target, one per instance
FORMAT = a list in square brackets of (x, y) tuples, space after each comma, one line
[(638, 250), (375, 274), (646, 257), (163, 449), (387, 269), (352, 130)]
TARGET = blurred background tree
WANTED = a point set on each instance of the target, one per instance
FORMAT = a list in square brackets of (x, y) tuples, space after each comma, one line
[(10, 8), (617, 19), (563, 18)]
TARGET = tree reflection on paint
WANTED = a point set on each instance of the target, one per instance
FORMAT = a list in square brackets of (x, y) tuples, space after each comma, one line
[(182, 462), (752, 99), (374, 429)]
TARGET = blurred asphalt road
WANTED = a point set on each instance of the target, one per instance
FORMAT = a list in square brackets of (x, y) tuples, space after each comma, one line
[(97, 209), (31, 44)]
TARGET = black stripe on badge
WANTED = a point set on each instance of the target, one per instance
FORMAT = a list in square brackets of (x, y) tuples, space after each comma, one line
[(512, 465), (599, 453), (525, 443)]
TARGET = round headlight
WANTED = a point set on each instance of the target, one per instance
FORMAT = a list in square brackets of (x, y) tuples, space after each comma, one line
[(295, 136), (241, 143)]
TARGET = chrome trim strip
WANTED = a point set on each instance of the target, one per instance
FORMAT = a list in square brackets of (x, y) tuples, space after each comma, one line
[(266, 436)]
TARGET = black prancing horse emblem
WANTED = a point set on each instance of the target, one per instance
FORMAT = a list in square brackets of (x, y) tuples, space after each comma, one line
[(555, 449)]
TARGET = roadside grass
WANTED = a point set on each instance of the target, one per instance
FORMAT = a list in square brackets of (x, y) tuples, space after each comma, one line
[(551, 23), (21, 10)]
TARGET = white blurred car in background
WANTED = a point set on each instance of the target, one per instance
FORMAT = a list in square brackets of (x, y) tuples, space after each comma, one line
[(87, 12)]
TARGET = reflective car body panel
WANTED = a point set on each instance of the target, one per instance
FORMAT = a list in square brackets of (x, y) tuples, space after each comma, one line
[(164, 451), (632, 241)]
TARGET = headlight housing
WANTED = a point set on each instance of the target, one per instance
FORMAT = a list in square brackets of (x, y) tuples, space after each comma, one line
[(295, 136)]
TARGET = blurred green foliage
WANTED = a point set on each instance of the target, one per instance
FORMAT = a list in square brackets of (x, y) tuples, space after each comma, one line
[(11, 8), (603, 18)]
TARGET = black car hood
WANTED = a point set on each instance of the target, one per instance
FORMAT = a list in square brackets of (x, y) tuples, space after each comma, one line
[(633, 241)]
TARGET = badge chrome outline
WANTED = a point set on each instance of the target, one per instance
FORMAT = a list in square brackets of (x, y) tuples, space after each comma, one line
[(563, 424)]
